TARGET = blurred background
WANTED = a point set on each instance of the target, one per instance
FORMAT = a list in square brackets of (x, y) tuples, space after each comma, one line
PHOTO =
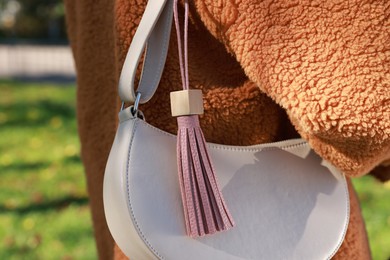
[(44, 212)]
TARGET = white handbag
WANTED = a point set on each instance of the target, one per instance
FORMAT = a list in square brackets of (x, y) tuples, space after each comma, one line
[(287, 203)]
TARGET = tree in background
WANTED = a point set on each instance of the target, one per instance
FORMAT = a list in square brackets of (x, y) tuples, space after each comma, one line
[(32, 19)]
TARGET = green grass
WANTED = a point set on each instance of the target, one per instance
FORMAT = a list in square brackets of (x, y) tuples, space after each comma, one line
[(44, 212), (374, 198)]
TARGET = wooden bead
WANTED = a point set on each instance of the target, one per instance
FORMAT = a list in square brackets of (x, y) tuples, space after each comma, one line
[(186, 102)]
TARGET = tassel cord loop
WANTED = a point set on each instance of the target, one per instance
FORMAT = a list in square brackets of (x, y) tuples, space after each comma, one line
[(183, 62)]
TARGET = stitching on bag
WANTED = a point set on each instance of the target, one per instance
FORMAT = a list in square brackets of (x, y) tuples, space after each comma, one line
[(135, 221), (348, 217), (265, 149), (239, 149)]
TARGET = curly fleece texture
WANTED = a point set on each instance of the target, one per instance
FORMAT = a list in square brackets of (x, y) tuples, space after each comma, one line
[(322, 65), (326, 62)]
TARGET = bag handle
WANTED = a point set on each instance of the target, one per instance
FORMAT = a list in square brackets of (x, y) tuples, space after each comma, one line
[(153, 35)]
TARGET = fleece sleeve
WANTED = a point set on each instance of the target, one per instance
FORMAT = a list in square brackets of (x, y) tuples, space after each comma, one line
[(327, 63)]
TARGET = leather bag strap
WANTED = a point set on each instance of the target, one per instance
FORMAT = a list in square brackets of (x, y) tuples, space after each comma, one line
[(153, 35)]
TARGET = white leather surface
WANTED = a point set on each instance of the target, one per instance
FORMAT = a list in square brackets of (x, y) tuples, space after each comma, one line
[(115, 193), (154, 28), (285, 202)]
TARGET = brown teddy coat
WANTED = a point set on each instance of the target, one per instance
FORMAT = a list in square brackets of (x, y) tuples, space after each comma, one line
[(269, 70)]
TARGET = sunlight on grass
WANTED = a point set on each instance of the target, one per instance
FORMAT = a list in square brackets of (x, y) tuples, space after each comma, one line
[(44, 211), (374, 198)]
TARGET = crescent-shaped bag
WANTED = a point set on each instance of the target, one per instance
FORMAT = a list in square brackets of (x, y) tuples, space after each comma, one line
[(287, 202)]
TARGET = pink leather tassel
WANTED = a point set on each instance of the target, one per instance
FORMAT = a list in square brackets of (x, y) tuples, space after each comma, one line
[(204, 207), (205, 211)]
